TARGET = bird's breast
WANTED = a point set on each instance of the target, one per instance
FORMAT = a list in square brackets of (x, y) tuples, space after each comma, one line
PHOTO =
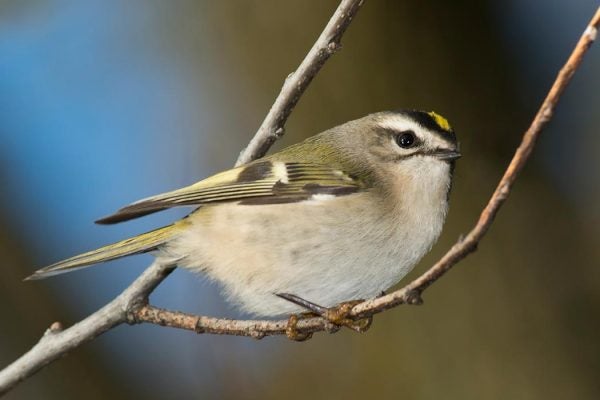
[(326, 250)]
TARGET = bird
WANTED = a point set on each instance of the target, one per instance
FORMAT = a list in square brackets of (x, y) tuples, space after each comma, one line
[(341, 216)]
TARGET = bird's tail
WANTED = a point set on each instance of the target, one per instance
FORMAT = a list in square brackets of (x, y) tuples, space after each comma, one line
[(135, 245)]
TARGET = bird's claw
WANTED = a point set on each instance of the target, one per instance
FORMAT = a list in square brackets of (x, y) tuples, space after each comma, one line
[(338, 315), (291, 330)]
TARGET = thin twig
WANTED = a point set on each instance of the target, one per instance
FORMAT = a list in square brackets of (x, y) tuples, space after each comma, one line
[(129, 305), (469, 243), (411, 293), (297, 82)]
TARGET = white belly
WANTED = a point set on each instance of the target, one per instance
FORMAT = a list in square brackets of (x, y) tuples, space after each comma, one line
[(319, 250)]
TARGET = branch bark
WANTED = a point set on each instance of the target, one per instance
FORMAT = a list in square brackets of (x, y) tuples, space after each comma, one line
[(131, 306), (56, 342)]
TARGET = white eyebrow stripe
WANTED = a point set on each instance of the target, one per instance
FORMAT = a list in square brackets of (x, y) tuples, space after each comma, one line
[(397, 124)]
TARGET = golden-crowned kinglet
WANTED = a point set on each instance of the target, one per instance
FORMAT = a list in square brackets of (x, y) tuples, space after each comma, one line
[(341, 216)]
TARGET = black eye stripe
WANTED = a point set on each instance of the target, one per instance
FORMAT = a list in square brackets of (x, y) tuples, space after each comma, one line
[(427, 121)]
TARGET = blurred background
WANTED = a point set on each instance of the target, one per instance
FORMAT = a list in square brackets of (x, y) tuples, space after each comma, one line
[(105, 102)]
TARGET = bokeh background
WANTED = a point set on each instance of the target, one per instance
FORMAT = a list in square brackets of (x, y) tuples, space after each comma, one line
[(105, 102)]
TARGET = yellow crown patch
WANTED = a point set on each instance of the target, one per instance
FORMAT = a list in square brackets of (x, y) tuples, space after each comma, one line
[(441, 121)]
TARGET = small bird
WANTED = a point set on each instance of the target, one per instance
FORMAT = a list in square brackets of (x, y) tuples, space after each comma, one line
[(341, 216)]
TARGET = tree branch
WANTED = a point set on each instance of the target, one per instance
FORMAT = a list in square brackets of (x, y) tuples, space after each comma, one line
[(131, 304), (297, 82), (56, 342)]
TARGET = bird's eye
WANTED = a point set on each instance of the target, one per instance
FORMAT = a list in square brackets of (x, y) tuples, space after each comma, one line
[(406, 139)]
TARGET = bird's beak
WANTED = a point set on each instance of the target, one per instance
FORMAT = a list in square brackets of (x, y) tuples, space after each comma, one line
[(447, 154)]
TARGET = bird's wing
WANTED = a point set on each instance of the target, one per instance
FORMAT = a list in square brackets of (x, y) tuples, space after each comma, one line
[(260, 182)]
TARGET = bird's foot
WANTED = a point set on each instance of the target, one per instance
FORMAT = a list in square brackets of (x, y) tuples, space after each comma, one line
[(291, 330), (338, 315)]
